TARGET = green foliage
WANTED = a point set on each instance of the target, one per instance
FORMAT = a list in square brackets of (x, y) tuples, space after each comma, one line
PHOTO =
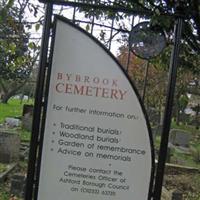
[(25, 135), (5, 192), (14, 54), (196, 153), (191, 158), (87, 28), (4, 195), (161, 15), (14, 109), (3, 167), (187, 159), (183, 102), (37, 27), (184, 127), (17, 54)]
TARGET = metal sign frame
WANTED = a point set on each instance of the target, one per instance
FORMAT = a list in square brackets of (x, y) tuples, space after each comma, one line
[(39, 108), (123, 72), (99, 6)]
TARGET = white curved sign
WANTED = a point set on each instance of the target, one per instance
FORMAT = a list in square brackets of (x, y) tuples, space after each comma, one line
[(96, 140)]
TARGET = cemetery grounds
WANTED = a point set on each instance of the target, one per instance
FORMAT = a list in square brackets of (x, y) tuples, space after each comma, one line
[(9, 170), (182, 170)]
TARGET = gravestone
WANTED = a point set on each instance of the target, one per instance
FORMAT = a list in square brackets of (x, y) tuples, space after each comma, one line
[(12, 122), (9, 147), (179, 137), (185, 118), (18, 185), (27, 109), (177, 195), (195, 122), (27, 117)]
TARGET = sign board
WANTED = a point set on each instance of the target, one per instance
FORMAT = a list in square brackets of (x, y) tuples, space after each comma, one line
[(96, 142)]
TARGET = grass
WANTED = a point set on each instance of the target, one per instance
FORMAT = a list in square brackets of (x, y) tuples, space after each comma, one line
[(4, 195), (186, 159), (13, 108), (190, 160), (5, 192), (25, 135), (185, 127)]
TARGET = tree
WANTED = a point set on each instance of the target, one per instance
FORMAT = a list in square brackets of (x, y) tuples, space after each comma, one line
[(17, 54), (159, 12), (187, 72), (157, 78), (156, 83)]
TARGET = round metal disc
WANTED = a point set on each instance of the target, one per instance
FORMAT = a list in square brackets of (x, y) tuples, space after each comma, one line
[(146, 42)]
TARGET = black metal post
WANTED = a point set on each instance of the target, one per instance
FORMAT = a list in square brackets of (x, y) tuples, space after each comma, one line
[(92, 27), (111, 33), (100, 6), (145, 81), (38, 105), (129, 50), (168, 110)]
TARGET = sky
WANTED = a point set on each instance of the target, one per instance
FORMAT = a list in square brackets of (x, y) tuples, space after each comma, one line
[(118, 40)]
